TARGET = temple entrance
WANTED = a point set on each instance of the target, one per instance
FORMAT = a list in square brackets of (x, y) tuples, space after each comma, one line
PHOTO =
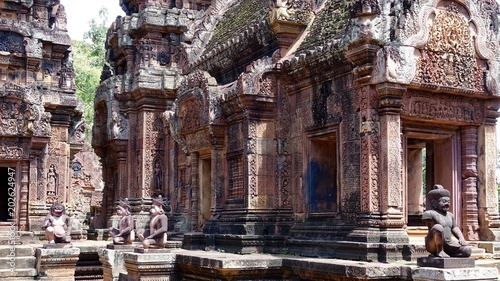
[(431, 157)]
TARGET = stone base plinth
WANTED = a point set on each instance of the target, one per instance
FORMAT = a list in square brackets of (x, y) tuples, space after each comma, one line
[(149, 266), (112, 262), (446, 262), (57, 264), (438, 274)]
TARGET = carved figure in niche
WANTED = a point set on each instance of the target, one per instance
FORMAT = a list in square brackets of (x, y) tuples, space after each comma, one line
[(441, 225), (158, 177), (52, 180), (57, 225), (158, 226), (77, 168), (125, 233)]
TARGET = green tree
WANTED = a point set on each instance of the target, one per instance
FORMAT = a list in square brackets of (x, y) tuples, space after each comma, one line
[(89, 59)]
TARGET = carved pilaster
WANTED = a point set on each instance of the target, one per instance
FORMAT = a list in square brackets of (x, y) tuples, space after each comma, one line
[(489, 219), (194, 190), (23, 196), (218, 181), (370, 152), (390, 186), (470, 222)]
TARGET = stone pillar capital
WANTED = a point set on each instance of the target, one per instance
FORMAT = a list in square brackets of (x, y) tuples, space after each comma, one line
[(390, 97)]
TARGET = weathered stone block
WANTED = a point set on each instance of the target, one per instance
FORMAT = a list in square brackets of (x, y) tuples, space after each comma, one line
[(445, 262), (57, 264), (437, 274), (149, 266)]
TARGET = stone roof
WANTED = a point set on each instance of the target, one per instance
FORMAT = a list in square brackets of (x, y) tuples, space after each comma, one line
[(329, 24), (237, 19)]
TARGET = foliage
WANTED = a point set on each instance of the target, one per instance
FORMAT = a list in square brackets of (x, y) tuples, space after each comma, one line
[(89, 59)]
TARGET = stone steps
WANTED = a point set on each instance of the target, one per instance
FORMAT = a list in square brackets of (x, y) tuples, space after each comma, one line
[(18, 264), (23, 274)]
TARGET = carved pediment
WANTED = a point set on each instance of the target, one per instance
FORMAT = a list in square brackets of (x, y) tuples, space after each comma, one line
[(22, 112), (455, 45), (195, 111)]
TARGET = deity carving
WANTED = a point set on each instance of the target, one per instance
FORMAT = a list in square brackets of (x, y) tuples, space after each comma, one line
[(52, 180), (448, 59), (158, 176), (279, 10), (125, 233), (444, 239), (156, 236), (57, 225)]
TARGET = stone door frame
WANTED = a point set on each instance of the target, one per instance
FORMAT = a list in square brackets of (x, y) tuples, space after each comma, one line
[(452, 182)]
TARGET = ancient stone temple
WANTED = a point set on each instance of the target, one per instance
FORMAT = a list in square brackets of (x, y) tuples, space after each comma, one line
[(311, 127), (41, 123)]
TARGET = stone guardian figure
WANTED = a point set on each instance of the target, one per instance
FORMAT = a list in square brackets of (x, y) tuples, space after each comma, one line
[(158, 226), (444, 238), (125, 233), (57, 225)]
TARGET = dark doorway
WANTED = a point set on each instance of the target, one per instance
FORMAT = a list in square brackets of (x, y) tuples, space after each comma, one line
[(7, 181)]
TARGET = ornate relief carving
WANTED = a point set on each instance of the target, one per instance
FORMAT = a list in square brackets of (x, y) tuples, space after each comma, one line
[(251, 159), (298, 11), (118, 126), (365, 8), (22, 112), (369, 130), (440, 107), (191, 116), (284, 159), (449, 55), (256, 81), (11, 42), (77, 132), (13, 151), (33, 47), (395, 64)]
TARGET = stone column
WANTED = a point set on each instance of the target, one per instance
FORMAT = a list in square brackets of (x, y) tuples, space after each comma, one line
[(489, 219), (415, 179), (470, 222), (56, 264)]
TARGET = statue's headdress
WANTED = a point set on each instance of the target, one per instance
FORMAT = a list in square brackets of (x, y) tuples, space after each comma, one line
[(124, 204), (437, 192), (158, 201)]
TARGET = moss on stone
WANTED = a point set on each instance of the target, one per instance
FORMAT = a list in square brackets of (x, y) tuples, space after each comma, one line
[(330, 23), (237, 19)]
